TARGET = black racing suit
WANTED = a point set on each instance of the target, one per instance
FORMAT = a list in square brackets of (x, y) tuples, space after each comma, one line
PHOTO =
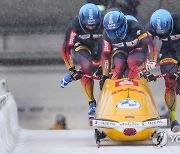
[(86, 48), (127, 54), (170, 60)]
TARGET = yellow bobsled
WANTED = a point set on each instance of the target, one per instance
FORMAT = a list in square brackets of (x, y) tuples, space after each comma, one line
[(126, 111)]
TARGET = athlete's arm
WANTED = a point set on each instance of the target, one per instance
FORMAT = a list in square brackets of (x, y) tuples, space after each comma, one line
[(106, 57), (153, 51), (69, 42)]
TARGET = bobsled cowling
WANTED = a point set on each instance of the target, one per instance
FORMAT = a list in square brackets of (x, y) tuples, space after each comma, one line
[(126, 110)]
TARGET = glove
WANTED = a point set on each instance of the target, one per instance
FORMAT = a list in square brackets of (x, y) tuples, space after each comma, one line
[(75, 75), (98, 73), (149, 76), (175, 75), (150, 65), (101, 82)]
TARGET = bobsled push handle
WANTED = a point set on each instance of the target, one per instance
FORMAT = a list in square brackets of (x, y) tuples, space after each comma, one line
[(160, 76), (91, 76)]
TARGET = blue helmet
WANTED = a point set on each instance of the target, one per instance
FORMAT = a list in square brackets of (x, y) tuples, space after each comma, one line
[(89, 15), (130, 17), (161, 22), (115, 25)]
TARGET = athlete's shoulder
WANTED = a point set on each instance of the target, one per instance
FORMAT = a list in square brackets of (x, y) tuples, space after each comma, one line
[(149, 29), (71, 30), (74, 24), (176, 20), (105, 36), (175, 15), (135, 24), (135, 28)]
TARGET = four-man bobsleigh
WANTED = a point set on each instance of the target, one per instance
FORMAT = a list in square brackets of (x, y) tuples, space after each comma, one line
[(126, 111)]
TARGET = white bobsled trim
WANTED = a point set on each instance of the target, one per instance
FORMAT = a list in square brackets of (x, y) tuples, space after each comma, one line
[(130, 124)]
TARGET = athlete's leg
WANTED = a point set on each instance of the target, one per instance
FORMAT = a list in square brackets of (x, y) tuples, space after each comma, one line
[(135, 59), (120, 65), (84, 59), (178, 84), (170, 91), (178, 87)]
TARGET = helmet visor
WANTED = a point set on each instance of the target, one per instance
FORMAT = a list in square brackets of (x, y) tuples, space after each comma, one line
[(117, 33)]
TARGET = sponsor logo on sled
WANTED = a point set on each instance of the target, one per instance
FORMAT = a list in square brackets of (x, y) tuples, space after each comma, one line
[(128, 104)]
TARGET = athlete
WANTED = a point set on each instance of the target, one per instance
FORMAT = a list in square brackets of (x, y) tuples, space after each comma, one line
[(167, 28), (83, 41), (60, 123), (126, 46)]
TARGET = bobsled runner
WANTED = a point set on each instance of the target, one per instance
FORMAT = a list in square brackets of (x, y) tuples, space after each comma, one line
[(126, 111)]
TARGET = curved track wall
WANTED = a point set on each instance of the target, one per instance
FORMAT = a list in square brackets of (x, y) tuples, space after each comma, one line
[(9, 127)]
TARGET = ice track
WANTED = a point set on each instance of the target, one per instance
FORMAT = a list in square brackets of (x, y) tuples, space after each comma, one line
[(15, 140)]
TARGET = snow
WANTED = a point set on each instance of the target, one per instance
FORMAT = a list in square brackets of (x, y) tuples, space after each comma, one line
[(82, 142)]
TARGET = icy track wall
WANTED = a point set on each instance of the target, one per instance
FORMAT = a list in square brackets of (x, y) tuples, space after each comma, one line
[(9, 127)]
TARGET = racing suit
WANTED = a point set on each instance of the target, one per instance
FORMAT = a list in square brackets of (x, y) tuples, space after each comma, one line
[(84, 47), (169, 62), (125, 56)]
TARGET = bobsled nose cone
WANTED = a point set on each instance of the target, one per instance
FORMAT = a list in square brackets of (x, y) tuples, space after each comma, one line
[(130, 131)]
